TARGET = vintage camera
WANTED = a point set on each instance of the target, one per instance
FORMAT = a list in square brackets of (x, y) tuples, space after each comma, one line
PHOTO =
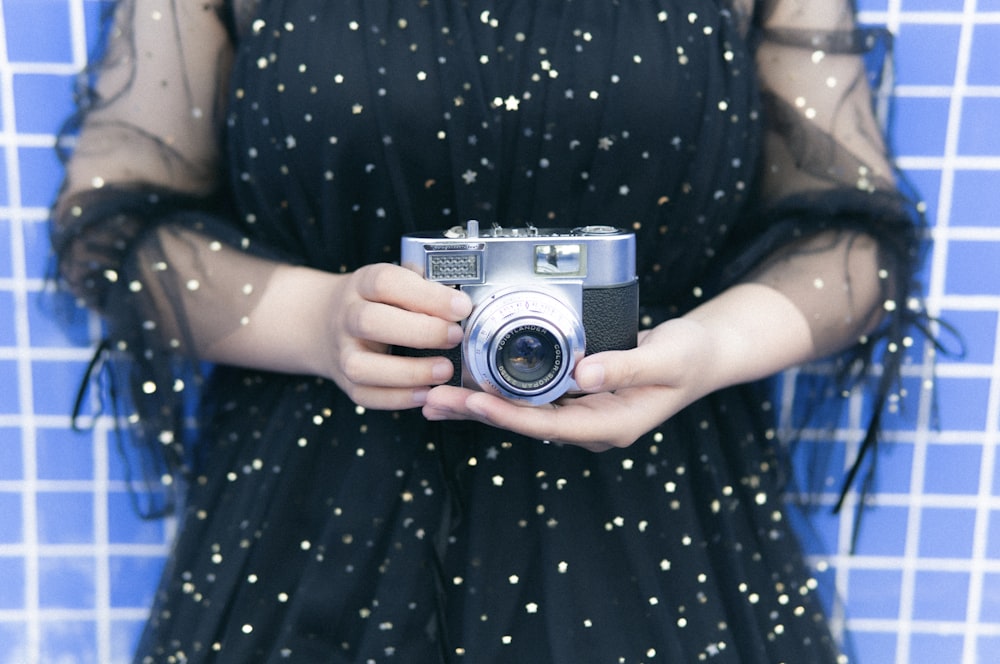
[(542, 298)]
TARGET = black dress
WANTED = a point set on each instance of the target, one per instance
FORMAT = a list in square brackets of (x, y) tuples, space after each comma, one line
[(316, 530)]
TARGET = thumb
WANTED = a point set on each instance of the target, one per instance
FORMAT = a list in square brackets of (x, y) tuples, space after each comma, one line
[(614, 370), (673, 353)]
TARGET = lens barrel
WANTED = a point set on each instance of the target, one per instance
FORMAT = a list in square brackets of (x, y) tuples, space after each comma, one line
[(523, 344)]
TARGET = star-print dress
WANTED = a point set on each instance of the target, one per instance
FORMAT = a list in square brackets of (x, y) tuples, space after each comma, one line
[(219, 140)]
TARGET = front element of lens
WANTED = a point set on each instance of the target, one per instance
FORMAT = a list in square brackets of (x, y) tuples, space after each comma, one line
[(529, 357)]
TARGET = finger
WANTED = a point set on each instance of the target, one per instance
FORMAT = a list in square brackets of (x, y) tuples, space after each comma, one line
[(387, 324), (563, 422), (374, 369), (447, 402), (596, 422), (381, 398), (553, 422), (405, 289), (663, 357), (616, 369)]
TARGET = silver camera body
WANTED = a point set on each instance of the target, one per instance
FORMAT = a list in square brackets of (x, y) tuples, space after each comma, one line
[(542, 299)]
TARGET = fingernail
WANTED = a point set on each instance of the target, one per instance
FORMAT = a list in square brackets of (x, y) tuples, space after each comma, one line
[(461, 306), (442, 371), (420, 396), (590, 377), (455, 334)]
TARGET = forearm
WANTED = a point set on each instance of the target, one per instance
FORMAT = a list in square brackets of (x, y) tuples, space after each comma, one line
[(215, 301), (246, 310), (812, 299), (748, 332), (285, 330), (195, 288)]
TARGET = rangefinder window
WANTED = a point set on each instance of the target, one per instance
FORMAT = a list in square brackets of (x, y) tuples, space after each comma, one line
[(559, 259), (457, 267)]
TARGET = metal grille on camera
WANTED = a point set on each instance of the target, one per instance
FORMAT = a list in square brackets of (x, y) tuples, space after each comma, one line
[(453, 267)]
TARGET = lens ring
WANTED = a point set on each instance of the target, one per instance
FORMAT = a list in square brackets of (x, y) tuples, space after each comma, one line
[(512, 313)]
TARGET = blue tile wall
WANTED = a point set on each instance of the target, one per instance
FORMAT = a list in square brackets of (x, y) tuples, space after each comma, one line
[(920, 125), (12, 465), (974, 201), (979, 135), (927, 54), (934, 649), (36, 112), (78, 567), (42, 31), (981, 69), (932, 5)]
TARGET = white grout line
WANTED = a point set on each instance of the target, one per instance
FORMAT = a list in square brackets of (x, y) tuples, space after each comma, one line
[(929, 627), (54, 615), (948, 230), (945, 91), (102, 541)]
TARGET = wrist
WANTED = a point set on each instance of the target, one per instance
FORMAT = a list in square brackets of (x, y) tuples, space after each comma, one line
[(700, 358), (285, 332), (750, 332)]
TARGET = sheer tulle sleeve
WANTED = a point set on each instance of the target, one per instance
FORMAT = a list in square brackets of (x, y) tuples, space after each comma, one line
[(831, 228), (140, 231)]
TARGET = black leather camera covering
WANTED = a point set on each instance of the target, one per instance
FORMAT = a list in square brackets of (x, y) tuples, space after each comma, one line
[(611, 318)]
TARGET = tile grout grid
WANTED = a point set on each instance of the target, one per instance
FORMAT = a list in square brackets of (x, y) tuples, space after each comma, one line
[(77, 569)]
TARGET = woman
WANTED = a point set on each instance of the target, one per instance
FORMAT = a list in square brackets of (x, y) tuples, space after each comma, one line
[(242, 179)]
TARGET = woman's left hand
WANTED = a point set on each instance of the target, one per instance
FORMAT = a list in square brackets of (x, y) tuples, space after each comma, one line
[(746, 333), (623, 394)]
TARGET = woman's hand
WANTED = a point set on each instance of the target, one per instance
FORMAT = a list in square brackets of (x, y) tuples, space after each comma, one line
[(340, 326), (746, 333), (625, 393), (385, 305)]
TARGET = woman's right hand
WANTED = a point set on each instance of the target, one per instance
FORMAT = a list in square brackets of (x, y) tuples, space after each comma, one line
[(385, 305), (340, 326)]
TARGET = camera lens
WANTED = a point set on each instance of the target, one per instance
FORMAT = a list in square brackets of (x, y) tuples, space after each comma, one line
[(522, 344), (529, 357)]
